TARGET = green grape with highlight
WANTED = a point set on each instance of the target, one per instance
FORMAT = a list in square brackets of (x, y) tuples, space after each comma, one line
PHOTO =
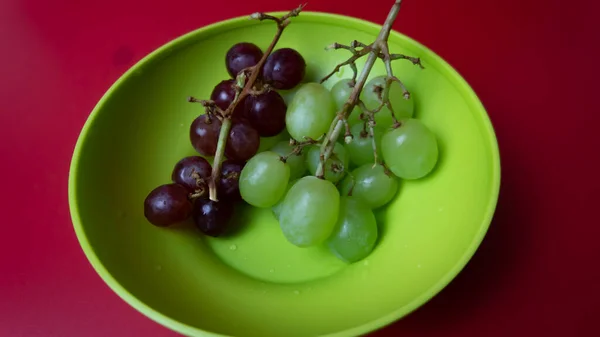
[(411, 150), (355, 232), (309, 211), (373, 185), (310, 112), (263, 179)]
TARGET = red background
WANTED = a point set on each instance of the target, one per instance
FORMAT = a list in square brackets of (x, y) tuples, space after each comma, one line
[(531, 62)]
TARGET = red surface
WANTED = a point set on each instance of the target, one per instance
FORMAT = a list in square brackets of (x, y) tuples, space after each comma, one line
[(531, 62)]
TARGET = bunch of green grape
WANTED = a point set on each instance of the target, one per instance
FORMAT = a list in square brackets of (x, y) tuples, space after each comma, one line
[(337, 209)]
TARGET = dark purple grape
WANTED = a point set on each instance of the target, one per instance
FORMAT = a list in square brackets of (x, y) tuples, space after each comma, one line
[(284, 69), (184, 169), (167, 205), (212, 217), (241, 56), (204, 134), (243, 141), (228, 188), (223, 94), (266, 113)]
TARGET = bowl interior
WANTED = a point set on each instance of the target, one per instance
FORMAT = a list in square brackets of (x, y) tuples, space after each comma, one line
[(254, 283)]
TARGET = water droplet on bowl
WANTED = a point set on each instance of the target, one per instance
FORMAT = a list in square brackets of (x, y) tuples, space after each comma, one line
[(158, 267), (297, 292), (366, 263), (271, 270), (419, 266), (233, 247)]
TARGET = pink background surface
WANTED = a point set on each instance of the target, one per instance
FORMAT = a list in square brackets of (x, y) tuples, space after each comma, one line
[(531, 62)]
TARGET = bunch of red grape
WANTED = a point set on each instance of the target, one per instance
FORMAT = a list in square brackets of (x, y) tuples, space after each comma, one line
[(260, 114)]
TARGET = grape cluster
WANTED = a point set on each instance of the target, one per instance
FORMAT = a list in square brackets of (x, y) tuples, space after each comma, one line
[(338, 208), (382, 146), (259, 114), (187, 196)]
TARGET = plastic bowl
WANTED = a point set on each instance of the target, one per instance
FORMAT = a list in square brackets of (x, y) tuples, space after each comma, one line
[(255, 283)]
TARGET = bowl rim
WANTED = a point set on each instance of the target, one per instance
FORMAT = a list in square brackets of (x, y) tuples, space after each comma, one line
[(362, 329)]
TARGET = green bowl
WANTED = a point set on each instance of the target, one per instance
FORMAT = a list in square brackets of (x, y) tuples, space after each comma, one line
[(255, 283)]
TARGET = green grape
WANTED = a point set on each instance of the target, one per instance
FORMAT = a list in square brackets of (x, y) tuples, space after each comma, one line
[(355, 232), (276, 209), (296, 162), (373, 185), (310, 112), (341, 92), (309, 211), (263, 179), (402, 108), (411, 150), (335, 167), (360, 149), (345, 186)]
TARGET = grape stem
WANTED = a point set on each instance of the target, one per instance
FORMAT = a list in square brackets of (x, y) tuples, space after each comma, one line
[(370, 125), (245, 86), (377, 50), (298, 147), (210, 106)]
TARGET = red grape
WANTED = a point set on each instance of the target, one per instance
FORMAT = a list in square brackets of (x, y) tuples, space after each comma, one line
[(243, 141), (284, 68), (266, 113), (183, 170), (204, 134), (212, 217), (223, 94), (241, 56), (228, 188), (167, 205)]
